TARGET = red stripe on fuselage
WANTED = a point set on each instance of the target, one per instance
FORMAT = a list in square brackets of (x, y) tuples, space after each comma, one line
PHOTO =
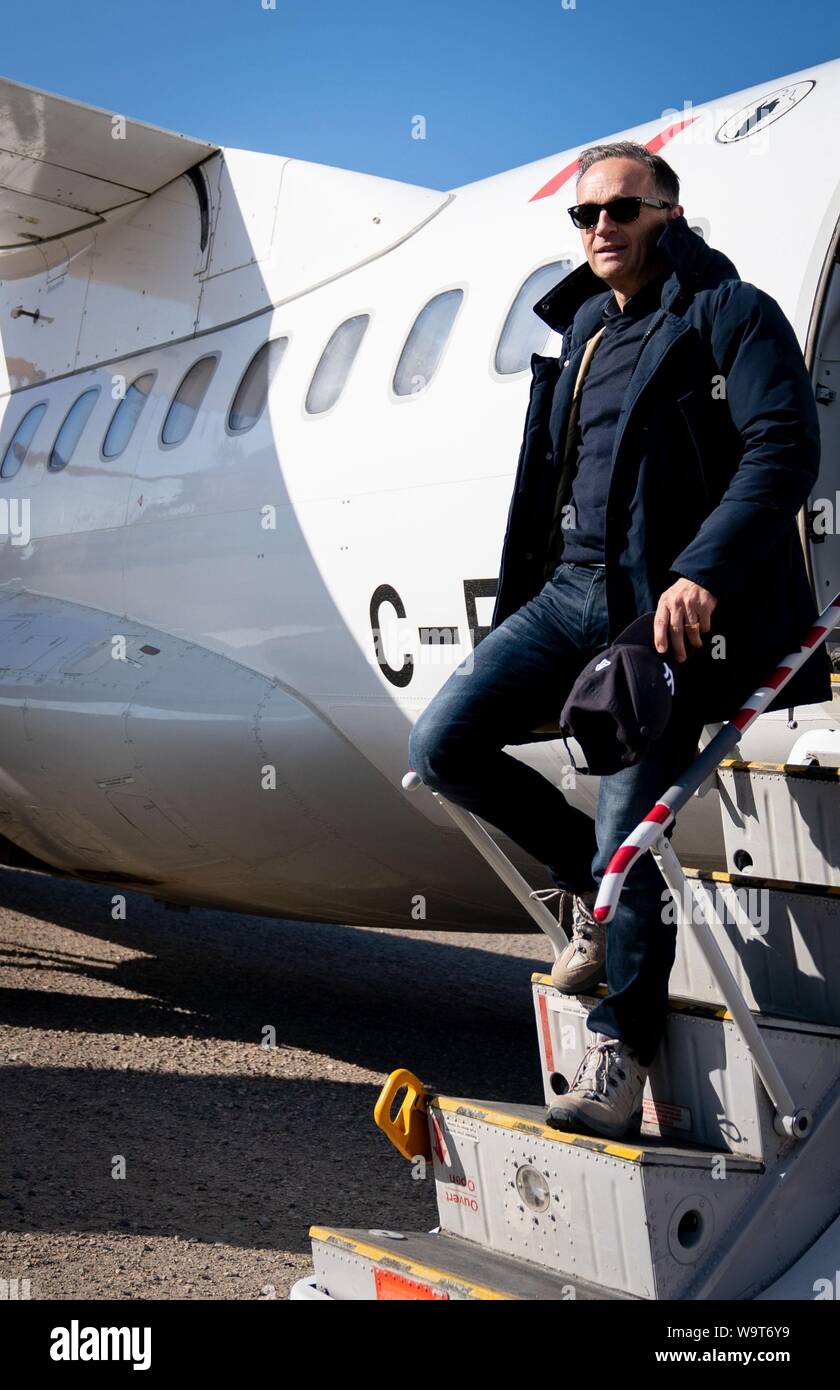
[(654, 145), (556, 182)]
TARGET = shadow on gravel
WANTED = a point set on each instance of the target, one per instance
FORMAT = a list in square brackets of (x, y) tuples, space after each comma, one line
[(244, 1161), (251, 1158)]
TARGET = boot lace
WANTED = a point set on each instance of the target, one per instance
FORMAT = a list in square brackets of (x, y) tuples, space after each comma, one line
[(582, 925), (596, 1069), (582, 919)]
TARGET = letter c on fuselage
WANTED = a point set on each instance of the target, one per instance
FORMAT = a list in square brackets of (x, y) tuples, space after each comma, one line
[(385, 593)]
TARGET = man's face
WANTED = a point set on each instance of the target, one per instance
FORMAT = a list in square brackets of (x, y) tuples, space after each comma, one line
[(622, 254)]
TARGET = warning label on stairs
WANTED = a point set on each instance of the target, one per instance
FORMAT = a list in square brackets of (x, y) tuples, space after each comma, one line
[(660, 1114)]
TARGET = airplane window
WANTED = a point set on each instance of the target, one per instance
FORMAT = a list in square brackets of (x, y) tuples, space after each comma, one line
[(187, 401), (71, 430), (334, 366), (523, 331), (425, 343), (249, 401), (20, 441), (126, 415)]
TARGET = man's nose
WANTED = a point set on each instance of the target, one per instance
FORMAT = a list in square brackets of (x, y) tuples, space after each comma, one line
[(605, 224)]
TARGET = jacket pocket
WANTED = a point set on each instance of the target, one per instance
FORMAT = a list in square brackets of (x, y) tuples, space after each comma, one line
[(693, 410)]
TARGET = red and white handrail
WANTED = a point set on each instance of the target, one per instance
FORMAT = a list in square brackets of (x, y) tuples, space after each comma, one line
[(662, 816)]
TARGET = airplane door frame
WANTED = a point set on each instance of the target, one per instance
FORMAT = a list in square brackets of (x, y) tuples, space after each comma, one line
[(819, 520)]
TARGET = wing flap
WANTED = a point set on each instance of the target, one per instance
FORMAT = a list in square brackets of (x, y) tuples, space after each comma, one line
[(64, 164)]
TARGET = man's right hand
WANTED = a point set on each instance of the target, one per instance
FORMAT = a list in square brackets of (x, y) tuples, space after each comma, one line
[(683, 610)]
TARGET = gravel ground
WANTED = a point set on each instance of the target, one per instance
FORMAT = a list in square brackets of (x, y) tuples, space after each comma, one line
[(136, 1046)]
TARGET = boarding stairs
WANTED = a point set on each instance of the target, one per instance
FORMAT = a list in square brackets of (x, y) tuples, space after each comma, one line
[(732, 1188)]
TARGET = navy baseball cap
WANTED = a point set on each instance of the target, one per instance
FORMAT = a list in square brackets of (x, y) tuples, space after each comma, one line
[(621, 701)]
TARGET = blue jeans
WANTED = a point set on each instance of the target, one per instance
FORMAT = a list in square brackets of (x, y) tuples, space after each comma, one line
[(520, 677)]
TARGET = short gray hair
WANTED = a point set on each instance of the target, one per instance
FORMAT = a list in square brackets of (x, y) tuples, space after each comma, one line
[(666, 182)]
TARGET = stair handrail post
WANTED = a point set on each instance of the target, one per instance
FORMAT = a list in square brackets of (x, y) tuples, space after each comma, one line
[(790, 1120), (500, 863)]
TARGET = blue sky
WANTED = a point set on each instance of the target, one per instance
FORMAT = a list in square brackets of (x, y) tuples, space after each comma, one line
[(498, 84)]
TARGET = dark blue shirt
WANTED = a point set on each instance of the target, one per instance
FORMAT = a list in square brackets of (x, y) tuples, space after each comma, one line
[(602, 393)]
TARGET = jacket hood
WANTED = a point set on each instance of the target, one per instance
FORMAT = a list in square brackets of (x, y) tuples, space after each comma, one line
[(695, 266)]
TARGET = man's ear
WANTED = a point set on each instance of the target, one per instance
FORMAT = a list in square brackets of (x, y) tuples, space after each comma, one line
[(676, 211)]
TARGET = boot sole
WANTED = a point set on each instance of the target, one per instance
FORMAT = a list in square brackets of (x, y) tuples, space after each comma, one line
[(631, 1131)]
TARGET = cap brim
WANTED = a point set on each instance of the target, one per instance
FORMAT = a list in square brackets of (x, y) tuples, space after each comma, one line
[(640, 633)]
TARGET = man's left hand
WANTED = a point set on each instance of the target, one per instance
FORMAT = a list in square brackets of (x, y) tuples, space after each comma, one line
[(684, 610)]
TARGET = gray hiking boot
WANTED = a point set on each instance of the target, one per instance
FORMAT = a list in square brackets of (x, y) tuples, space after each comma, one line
[(581, 965), (605, 1097)]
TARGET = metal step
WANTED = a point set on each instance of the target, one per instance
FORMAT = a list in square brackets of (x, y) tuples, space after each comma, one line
[(702, 1087), (637, 1218), (359, 1264), (786, 964), (781, 820)]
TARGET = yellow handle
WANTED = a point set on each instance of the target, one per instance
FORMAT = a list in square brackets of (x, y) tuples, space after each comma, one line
[(407, 1130)]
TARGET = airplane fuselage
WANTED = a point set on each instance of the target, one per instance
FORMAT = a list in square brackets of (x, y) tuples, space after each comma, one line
[(216, 637)]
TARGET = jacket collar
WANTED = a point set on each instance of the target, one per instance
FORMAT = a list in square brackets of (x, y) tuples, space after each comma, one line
[(694, 265)]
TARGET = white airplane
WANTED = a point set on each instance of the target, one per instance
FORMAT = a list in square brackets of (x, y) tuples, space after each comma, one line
[(256, 410)]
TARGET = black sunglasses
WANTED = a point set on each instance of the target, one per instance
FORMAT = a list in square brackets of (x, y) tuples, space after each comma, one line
[(619, 209)]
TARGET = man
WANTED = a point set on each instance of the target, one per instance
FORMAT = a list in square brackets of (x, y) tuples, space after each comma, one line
[(664, 461)]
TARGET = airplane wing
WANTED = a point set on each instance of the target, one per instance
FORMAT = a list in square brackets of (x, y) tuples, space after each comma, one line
[(65, 165)]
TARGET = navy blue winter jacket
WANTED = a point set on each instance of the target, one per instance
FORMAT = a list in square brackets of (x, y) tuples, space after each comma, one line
[(716, 450)]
